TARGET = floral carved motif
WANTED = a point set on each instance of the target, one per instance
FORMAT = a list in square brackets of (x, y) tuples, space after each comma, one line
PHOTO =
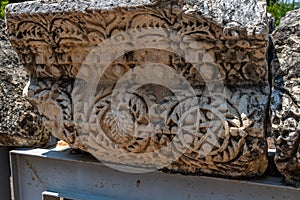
[(150, 86)]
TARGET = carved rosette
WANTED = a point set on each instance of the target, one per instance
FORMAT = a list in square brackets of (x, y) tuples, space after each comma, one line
[(150, 85)]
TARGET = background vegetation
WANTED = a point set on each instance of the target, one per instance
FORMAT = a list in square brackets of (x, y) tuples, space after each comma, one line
[(2, 5), (278, 8)]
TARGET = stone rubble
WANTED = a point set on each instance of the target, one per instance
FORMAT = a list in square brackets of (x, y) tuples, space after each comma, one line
[(20, 125), (285, 104)]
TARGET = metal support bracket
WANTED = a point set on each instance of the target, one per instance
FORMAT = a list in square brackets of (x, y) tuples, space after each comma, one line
[(54, 175), (4, 174)]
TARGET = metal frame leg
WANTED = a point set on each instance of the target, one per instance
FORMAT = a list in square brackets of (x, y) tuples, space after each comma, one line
[(4, 174), (52, 196)]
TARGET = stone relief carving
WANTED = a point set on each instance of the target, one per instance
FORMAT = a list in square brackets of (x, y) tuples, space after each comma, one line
[(205, 114), (236, 51), (154, 119), (286, 96), (52, 100)]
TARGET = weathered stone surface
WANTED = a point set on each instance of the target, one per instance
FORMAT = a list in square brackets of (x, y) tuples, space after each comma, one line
[(286, 95), (19, 124), (178, 84)]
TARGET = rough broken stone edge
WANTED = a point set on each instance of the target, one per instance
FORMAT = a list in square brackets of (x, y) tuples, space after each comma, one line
[(217, 10)]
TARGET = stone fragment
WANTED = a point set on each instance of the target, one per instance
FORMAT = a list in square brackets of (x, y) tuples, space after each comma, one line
[(19, 124), (286, 96), (181, 84)]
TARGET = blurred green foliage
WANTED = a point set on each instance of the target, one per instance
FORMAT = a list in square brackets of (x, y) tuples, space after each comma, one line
[(278, 9), (3, 3)]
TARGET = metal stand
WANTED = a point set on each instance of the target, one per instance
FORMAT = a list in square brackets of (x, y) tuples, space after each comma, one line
[(4, 174), (49, 175)]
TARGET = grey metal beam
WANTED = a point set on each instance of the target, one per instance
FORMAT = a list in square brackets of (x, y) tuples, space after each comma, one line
[(4, 174), (80, 177)]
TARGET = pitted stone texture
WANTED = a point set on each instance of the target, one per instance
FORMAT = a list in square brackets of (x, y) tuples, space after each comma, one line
[(286, 96), (19, 124), (243, 12), (202, 104)]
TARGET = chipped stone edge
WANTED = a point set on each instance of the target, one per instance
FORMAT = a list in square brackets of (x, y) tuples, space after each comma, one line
[(221, 11)]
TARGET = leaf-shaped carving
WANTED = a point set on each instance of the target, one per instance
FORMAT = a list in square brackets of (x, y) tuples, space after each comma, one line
[(121, 126), (154, 19), (67, 32), (30, 31), (139, 109), (232, 150), (53, 103)]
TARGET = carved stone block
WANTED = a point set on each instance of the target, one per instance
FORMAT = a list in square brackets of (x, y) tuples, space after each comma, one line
[(19, 125), (286, 96), (181, 85)]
